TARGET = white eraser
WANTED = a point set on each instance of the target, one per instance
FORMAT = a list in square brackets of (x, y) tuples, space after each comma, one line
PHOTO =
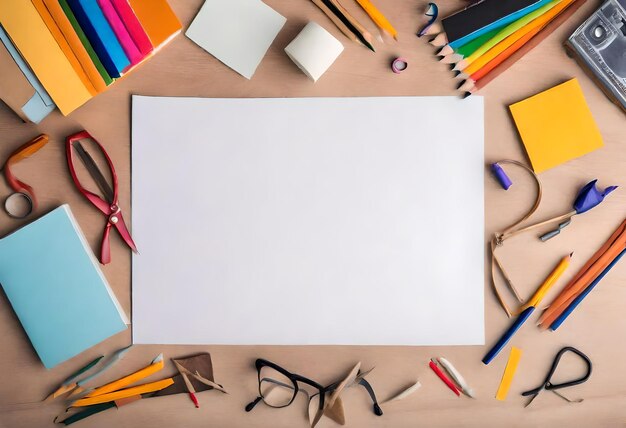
[(314, 50)]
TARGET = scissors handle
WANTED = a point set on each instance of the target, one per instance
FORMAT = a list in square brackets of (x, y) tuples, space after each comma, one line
[(547, 385)]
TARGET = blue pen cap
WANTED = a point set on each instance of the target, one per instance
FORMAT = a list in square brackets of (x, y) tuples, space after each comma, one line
[(501, 176)]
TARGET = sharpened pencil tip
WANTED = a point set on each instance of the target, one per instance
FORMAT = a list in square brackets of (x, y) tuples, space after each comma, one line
[(433, 39), (466, 94), (440, 57), (452, 66), (461, 84), (456, 73), (571, 254)]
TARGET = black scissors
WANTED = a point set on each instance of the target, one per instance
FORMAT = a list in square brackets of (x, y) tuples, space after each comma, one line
[(549, 386)]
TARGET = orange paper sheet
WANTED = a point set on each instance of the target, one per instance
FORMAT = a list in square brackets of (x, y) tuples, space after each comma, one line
[(157, 18)]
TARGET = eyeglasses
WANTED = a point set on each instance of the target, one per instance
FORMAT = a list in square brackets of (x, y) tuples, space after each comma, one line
[(278, 388)]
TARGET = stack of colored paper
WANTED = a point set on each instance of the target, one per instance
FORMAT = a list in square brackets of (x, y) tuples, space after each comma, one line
[(486, 38), (71, 50)]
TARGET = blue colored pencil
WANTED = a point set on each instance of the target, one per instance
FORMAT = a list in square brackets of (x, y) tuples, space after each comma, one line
[(557, 322), (519, 321)]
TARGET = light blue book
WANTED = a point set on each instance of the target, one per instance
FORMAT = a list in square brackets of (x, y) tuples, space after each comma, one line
[(56, 288)]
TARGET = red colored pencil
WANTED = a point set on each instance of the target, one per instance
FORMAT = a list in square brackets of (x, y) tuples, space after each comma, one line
[(433, 365), (194, 399)]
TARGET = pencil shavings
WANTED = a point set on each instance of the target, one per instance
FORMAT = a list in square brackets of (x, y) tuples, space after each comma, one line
[(333, 407), (336, 412), (404, 393)]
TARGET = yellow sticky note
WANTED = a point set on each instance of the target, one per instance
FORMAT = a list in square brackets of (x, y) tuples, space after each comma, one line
[(509, 372), (556, 126), (31, 36)]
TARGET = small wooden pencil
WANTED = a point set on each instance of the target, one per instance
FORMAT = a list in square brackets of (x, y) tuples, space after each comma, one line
[(439, 40), (433, 29), (338, 22), (460, 65), (378, 18), (469, 93), (450, 59), (364, 36), (466, 85), (350, 24), (446, 50)]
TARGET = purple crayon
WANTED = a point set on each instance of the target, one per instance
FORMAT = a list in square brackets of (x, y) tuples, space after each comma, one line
[(503, 179)]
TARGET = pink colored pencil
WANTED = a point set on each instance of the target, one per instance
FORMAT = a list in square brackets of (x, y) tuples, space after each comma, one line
[(130, 49)]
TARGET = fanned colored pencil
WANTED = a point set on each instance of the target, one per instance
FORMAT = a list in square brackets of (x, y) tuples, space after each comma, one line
[(512, 32), (450, 59), (439, 40), (477, 62), (446, 50), (513, 55), (433, 29), (378, 18)]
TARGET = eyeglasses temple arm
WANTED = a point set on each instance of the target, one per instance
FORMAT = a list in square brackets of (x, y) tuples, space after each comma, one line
[(365, 384), (251, 405)]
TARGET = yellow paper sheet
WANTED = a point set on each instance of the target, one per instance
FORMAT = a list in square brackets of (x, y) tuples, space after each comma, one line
[(509, 372), (63, 44), (556, 126), (34, 41)]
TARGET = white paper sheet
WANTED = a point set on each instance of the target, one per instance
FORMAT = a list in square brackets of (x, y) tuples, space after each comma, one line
[(237, 32), (354, 221)]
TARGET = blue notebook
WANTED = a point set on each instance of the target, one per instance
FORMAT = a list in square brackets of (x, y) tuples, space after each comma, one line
[(56, 288), (100, 35)]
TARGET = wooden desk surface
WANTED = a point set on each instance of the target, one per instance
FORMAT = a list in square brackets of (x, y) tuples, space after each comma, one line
[(184, 69)]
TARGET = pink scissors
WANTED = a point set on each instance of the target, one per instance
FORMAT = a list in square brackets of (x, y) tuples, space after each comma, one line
[(110, 208)]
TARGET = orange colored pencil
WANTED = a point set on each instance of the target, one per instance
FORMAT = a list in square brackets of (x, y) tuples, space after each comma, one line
[(589, 272)]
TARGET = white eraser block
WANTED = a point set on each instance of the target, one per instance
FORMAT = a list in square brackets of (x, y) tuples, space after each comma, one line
[(314, 50)]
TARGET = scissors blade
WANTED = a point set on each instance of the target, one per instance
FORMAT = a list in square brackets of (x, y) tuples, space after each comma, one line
[(531, 400), (94, 171)]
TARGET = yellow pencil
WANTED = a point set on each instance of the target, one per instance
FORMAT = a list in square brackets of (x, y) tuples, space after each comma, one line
[(548, 283), (124, 393), (378, 18)]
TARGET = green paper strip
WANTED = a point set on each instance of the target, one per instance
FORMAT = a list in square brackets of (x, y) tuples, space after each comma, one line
[(83, 38)]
